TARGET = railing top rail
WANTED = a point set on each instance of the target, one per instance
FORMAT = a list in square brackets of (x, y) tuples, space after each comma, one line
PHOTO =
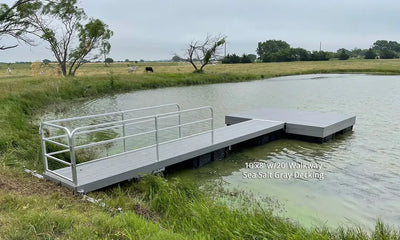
[(183, 111), (138, 134), (110, 123), (55, 126), (112, 113), (137, 119), (78, 129)]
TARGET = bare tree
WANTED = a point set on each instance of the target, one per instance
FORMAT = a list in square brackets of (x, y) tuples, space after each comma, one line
[(199, 54), (14, 23)]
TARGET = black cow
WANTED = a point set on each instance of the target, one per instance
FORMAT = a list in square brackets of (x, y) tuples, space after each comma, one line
[(149, 69)]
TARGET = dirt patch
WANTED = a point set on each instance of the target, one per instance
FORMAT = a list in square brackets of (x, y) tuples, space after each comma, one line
[(25, 184), (143, 211)]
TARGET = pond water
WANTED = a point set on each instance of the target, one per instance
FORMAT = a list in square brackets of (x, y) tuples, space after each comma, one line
[(361, 170)]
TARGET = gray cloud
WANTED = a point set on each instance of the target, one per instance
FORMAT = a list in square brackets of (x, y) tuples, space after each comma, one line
[(156, 29)]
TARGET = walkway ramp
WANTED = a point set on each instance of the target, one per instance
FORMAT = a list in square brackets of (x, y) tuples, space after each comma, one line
[(99, 173)]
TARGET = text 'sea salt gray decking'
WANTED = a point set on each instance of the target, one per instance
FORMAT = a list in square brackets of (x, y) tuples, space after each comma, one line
[(264, 125), (313, 124)]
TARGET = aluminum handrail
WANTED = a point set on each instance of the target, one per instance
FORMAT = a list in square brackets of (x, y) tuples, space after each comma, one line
[(180, 112), (196, 134), (58, 160), (56, 143), (58, 152), (71, 150), (184, 111), (78, 129), (185, 124), (115, 124), (118, 154), (114, 113), (61, 176), (111, 127), (56, 126), (111, 140), (138, 134)]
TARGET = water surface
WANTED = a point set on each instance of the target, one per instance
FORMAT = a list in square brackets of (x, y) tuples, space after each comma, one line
[(361, 170)]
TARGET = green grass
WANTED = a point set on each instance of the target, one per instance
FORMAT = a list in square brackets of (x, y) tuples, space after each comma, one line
[(154, 208)]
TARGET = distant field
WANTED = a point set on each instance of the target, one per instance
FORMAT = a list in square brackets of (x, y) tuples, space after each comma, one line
[(391, 66), (167, 74)]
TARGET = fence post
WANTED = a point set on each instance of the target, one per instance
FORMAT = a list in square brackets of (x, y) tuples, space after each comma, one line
[(43, 145), (123, 129), (157, 145), (179, 120), (212, 125), (73, 159)]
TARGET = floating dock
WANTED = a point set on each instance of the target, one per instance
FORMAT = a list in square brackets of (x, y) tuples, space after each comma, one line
[(63, 146), (309, 126)]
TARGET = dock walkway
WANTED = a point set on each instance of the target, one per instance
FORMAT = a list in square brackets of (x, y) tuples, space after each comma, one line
[(200, 148), (104, 172)]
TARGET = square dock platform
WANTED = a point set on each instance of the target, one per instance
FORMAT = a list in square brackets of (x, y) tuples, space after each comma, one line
[(314, 126)]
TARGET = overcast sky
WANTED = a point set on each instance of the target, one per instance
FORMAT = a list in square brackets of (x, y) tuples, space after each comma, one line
[(156, 29)]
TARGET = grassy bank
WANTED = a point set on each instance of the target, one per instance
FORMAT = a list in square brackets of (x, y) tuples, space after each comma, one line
[(154, 208)]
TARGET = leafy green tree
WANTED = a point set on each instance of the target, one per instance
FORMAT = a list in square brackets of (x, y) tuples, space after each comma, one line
[(301, 54), (237, 59), (252, 57), (357, 53), (370, 54), (105, 49), (386, 49), (269, 47), (46, 61), (62, 22), (176, 58), (319, 56), (343, 54), (14, 22), (245, 59), (231, 58), (387, 54), (290, 54), (109, 60)]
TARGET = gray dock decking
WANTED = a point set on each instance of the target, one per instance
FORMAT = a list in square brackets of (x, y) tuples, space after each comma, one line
[(105, 172), (310, 124)]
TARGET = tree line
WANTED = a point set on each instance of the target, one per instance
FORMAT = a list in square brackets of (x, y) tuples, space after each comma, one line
[(281, 51)]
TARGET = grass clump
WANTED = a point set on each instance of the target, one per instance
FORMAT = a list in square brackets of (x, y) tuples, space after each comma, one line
[(56, 218)]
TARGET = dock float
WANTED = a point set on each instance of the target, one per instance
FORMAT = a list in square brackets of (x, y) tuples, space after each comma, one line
[(308, 126), (72, 149)]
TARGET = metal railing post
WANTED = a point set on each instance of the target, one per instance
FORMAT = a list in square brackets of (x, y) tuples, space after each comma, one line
[(43, 145), (212, 125), (179, 120), (157, 144), (123, 129), (73, 159)]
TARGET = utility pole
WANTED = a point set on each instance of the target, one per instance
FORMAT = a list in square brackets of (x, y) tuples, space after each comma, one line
[(225, 50), (320, 46)]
